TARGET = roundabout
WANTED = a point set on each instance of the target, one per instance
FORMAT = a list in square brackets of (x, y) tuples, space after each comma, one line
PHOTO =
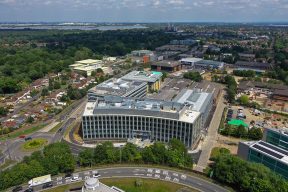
[(34, 144)]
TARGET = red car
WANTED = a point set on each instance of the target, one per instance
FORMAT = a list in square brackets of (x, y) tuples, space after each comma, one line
[(22, 136)]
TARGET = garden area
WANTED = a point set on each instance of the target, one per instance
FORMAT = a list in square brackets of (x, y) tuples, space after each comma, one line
[(34, 144)]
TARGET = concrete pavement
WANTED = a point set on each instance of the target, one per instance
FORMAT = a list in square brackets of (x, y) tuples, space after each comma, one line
[(210, 139)]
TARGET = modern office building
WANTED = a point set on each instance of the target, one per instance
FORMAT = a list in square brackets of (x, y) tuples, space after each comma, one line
[(267, 154), (118, 118), (118, 87), (277, 137), (199, 101), (153, 78)]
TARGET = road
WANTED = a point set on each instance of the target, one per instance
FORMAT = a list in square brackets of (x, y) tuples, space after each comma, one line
[(12, 148), (142, 172), (210, 139)]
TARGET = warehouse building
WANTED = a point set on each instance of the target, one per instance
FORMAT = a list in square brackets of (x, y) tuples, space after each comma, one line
[(116, 118), (118, 87), (153, 78), (267, 154)]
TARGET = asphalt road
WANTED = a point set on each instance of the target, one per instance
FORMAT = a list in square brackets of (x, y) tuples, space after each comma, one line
[(152, 173)]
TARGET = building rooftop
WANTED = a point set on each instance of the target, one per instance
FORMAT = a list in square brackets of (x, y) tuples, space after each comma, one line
[(176, 110), (93, 185), (191, 59), (198, 100), (117, 87), (166, 64), (143, 76), (270, 150), (89, 61), (209, 62), (283, 131)]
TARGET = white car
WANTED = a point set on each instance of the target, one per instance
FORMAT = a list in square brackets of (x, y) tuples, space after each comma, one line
[(75, 178), (96, 175)]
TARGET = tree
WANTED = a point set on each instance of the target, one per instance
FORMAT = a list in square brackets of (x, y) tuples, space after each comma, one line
[(195, 76), (240, 131), (244, 100), (3, 111), (44, 92), (255, 133), (99, 70), (86, 157), (30, 119)]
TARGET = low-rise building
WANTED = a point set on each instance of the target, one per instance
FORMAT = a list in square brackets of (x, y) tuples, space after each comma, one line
[(246, 57), (190, 61), (252, 65), (265, 153), (87, 66), (153, 78), (168, 66), (118, 87)]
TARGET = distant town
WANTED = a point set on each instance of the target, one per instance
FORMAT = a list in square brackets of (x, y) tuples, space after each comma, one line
[(78, 106)]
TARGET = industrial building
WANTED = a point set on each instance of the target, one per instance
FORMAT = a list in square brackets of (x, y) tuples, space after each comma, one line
[(265, 153), (199, 101), (200, 63), (168, 66), (87, 66), (116, 118), (118, 87), (153, 78), (277, 137)]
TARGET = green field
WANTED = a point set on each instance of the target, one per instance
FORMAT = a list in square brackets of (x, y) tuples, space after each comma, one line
[(24, 132), (34, 144), (129, 185), (55, 129)]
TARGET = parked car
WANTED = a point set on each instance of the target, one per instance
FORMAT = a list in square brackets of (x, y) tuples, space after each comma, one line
[(47, 185), (96, 175), (29, 190), (22, 136), (18, 188), (28, 138)]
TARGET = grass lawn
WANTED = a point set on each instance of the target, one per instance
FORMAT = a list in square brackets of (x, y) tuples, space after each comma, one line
[(24, 132), (146, 185), (128, 185), (55, 129), (34, 144)]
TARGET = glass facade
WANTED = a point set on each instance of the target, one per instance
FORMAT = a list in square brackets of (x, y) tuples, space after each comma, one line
[(272, 163), (277, 139), (127, 126)]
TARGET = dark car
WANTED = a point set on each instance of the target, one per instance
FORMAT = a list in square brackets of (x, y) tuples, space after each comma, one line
[(47, 185), (28, 138), (29, 190), (18, 188)]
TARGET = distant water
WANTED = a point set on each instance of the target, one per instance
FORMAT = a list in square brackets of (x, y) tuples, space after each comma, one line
[(72, 27)]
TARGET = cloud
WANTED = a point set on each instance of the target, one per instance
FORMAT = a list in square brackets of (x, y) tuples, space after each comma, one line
[(168, 9)]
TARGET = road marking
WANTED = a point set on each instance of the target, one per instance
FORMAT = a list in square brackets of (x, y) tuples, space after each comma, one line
[(175, 174), (176, 180), (150, 170), (183, 177), (165, 173), (105, 172), (199, 183), (118, 171), (167, 178), (59, 178), (139, 174), (87, 173)]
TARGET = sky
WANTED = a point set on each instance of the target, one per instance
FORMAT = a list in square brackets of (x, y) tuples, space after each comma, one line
[(144, 10)]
